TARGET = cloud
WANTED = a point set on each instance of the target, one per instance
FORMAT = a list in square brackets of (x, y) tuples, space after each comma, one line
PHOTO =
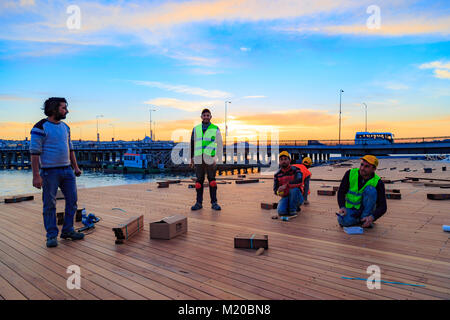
[(244, 49), (396, 86), (217, 94), (441, 69), (180, 104), (7, 97), (403, 26), (254, 97)]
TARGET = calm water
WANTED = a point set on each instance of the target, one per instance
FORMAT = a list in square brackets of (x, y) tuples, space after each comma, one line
[(15, 182)]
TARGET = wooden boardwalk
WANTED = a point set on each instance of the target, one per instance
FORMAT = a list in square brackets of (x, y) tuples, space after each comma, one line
[(306, 257)]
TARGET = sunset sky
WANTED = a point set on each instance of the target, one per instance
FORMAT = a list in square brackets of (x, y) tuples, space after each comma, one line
[(281, 63)]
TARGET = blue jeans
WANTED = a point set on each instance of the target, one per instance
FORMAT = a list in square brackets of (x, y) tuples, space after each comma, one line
[(64, 178), (354, 216), (289, 204)]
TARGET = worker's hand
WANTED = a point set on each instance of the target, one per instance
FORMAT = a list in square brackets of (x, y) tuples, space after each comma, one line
[(77, 172), (37, 181), (282, 188), (343, 211), (191, 165), (367, 221)]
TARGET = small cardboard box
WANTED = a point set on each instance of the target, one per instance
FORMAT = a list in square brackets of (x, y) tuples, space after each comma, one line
[(251, 241), (168, 227)]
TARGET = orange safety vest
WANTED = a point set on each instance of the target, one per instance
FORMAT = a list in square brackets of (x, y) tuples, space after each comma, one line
[(305, 174)]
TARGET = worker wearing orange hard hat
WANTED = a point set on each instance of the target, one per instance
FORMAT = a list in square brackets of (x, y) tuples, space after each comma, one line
[(286, 184), (306, 177), (361, 195)]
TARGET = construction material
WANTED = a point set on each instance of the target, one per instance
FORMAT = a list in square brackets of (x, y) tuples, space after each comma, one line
[(173, 181), (446, 228), (393, 190), (427, 170), (168, 227), (393, 168), (444, 168), (251, 241), (18, 199), (241, 176), (78, 216), (438, 196), (269, 206), (128, 229), (247, 181), (335, 188), (396, 196), (354, 230), (441, 185), (326, 192), (424, 178), (60, 218), (163, 184)]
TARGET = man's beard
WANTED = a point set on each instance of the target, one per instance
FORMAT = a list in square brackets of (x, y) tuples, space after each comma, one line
[(285, 165), (59, 116)]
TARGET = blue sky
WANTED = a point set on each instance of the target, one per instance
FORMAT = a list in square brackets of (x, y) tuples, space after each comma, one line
[(280, 63)]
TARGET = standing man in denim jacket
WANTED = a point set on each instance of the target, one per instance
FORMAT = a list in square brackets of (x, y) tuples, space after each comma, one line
[(51, 149)]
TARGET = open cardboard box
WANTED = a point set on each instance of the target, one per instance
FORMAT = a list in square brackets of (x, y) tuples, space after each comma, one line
[(168, 227)]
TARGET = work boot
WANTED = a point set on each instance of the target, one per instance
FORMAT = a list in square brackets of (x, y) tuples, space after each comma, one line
[(306, 203), (299, 209), (215, 206), (52, 242), (72, 235), (196, 206)]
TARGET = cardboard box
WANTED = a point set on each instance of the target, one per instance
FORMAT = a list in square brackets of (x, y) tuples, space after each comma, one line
[(168, 227), (251, 241)]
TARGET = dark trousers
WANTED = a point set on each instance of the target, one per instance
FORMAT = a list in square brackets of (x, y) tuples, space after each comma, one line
[(200, 171)]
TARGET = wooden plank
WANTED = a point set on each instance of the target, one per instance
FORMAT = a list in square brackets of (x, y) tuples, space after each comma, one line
[(269, 206), (326, 192), (247, 181), (438, 196), (128, 229), (19, 199)]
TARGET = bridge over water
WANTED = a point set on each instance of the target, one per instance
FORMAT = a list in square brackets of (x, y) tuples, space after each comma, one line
[(239, 154)]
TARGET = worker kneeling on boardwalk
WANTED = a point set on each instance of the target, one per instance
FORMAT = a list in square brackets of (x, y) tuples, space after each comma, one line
[(286, 184), (306, 177), (361, 195)]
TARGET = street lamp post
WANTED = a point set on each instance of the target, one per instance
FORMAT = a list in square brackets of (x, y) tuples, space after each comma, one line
[(340, 113), (226, 127), (366, 113), (98, 135)]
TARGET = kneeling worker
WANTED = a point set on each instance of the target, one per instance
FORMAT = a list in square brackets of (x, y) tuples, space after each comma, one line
[(286, 184), (361, 195), (306, 177)]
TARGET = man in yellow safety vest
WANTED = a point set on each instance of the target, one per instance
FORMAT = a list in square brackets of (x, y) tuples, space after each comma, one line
[(361, 195), (206, 148)]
